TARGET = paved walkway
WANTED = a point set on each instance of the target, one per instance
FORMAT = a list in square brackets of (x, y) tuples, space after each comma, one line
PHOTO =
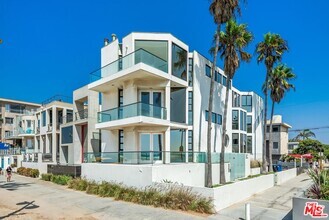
[(274, 203), (27, 198)]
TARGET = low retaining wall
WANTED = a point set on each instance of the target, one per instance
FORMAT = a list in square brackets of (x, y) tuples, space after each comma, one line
[(42, 167), (304, 208), (255, 171), (229, 194), (284, 176)]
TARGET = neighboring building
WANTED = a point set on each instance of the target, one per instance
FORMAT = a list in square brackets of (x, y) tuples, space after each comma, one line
[(17, 122), (79, 136), (292, 145), (279, 137), (154, 95), (50, 116)]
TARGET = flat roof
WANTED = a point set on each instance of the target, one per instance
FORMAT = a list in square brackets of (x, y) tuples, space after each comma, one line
[(19, 102)]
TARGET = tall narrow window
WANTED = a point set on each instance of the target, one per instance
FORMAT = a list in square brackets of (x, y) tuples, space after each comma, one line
[(235, 99), (249, 124), (208, 71), (206, 115), (224, 80), (179, 62), (43, 118), (249, 144), (190, 71), (190, 108), (235, 120), (235, 143), (243, 144), (190, 146), (120, 104)]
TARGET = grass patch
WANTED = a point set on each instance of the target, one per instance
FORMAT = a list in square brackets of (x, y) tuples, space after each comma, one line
[(169, 197)]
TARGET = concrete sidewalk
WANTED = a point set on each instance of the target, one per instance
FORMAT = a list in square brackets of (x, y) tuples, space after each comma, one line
[(28, 198), (274, 203)]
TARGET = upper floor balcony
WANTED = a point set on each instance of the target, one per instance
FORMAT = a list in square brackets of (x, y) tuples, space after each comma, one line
[(131, 115), (140, 64)]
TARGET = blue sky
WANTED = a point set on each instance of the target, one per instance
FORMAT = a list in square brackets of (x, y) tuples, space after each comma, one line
[(50, 47)]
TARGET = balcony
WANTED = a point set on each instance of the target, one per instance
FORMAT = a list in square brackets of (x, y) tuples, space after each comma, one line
[(135, 113), (140, 64), (81, 115)]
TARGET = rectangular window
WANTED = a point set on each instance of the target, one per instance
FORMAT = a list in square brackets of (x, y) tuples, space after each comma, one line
[(247, 103), (9, 121), (121, 140), (249, 144), (28, 124), (190, 108), (275, 128), (249, 124), (7, 107), (276, 145), (208, 71), (241, 121), (235, 120), (190, 146), (213, 117), (207, 115), (224, 80), (43, 118), (235, 143), (179, 62), (67, 135), (120, 103), (267, 129), (236, 100), (190, 71), (69, 115), (219, 119), (243, 144)]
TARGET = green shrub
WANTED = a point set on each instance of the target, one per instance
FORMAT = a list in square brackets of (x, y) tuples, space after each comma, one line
[(21, 170), (46, 176), (60, 179), (34, 173), (13, 165), (78, 184), (92, 188), (28, 172)]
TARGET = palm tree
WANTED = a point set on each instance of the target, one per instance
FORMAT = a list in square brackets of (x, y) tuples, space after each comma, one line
[(278, 85), (232, 43), (269, 51), (305, 134), (222, 11)]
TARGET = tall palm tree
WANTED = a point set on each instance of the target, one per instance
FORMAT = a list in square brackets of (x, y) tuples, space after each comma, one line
[(222, 11), (305, 134), (278, 85), (269, 51), (232, 43)]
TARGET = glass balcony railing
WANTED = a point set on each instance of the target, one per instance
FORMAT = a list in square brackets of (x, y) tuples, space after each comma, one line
[(144, 157), (131, 110), (139, 56)]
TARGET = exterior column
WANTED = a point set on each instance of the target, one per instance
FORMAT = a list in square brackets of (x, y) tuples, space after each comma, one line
[(166, 149), (54, 134), (167, 100)]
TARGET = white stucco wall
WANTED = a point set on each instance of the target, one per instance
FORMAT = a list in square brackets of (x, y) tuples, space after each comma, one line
[(286, 175), (42, 167)]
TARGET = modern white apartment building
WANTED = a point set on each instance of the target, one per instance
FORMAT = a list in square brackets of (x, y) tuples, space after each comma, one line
[(50, 116), (279, 137), (154, 100)]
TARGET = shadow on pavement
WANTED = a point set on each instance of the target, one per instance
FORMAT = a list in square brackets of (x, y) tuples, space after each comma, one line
[(27, 205), (11, 186)]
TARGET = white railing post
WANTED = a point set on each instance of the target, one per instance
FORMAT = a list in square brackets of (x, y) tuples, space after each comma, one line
[(247, 211)]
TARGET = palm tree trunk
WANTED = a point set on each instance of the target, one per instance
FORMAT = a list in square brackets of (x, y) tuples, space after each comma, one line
[(270, 169), (222, 153), (265, 123), (211, 99)]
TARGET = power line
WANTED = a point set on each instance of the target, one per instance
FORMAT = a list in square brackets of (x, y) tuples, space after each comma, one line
[(314, 128)]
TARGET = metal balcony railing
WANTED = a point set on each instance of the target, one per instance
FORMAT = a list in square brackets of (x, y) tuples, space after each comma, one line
[(80, 115), (138, 56), (131, 110)]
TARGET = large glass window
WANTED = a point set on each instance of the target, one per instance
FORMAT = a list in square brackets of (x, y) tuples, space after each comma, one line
[(208, 71), (235, 143), (67, 135), (190, 71), (69, 115), (43, 118), (190, 146), (190, 107), (249, 144), (178, 105), (275, 128), (275, 145), (249, 124), (235, 120), (247, 103), (121, 137), (224, 80), (206, 115), (218, 77), (236, 100), (179, 62), (9, 121), (243, 143), (213, 117), (243, 121)]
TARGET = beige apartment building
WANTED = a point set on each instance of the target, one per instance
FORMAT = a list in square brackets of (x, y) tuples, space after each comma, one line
[(279, 137), (17, 122)]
